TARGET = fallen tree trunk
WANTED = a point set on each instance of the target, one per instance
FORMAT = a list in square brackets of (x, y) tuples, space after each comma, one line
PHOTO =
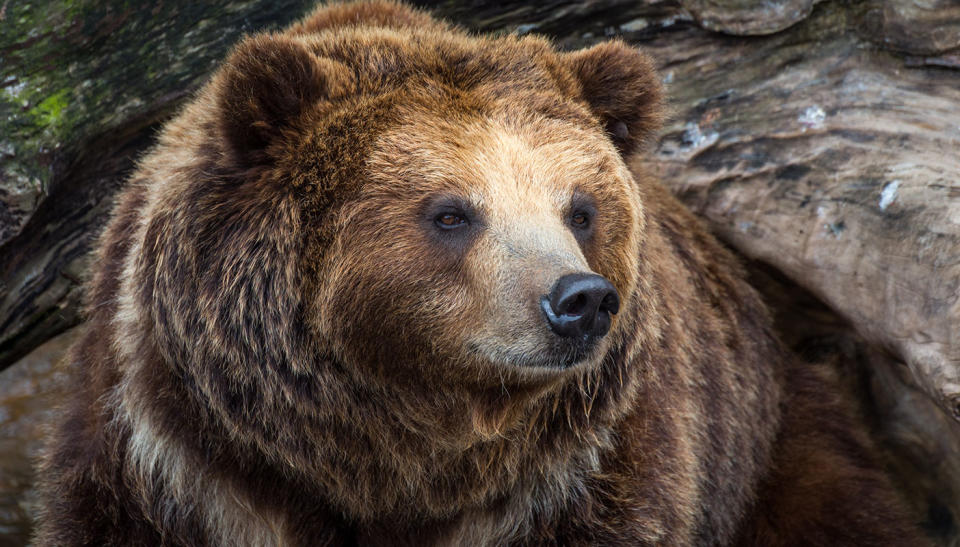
[(833, 161), (819, 139)]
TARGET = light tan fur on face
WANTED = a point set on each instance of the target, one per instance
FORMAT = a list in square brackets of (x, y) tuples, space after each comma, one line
[(520, 178)]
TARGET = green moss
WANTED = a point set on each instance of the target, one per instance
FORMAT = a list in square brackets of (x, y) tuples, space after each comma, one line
[(49, 113)]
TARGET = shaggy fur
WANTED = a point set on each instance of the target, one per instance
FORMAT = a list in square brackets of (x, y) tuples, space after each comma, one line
[(283, 349)]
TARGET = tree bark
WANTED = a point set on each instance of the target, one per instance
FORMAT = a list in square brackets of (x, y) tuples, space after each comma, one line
[(830, 159), (817, 138)]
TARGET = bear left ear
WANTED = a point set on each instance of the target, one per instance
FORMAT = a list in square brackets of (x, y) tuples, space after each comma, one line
[(623, 89), (268, 81)]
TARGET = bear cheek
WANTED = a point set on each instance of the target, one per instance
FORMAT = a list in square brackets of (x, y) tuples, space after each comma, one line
[(381, 290)]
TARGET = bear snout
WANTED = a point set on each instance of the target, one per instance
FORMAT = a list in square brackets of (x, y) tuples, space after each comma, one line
[(579, 306)]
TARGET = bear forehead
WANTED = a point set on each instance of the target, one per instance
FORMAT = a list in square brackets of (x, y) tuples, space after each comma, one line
[(384, 58), (422, 73), (509, 157), (448, 111)]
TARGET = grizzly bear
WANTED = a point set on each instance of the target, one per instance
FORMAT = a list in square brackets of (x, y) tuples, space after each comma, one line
[(386, 282)]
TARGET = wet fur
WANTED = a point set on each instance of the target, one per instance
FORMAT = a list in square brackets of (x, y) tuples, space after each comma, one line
[(274, 357)]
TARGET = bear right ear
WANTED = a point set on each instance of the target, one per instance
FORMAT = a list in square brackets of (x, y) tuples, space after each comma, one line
[(267, 82), (622, 88)]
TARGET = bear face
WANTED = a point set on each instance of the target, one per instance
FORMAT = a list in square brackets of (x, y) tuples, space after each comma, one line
[(509, 149), (531, 199)]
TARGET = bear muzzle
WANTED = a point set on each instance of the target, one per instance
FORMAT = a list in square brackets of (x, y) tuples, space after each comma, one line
[(579, 307)]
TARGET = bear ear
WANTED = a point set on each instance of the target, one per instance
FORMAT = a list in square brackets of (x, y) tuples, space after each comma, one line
[(266, 83), (623, 89)]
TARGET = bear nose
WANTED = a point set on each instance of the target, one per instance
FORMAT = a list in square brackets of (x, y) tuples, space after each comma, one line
[(579, 305)]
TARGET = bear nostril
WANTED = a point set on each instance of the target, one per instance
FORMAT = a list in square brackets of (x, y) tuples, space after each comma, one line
[(610, 303), (575, 306), (580, 305)]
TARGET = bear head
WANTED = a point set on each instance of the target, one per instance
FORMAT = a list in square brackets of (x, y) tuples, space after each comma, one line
[(395, 230), (470, 211)]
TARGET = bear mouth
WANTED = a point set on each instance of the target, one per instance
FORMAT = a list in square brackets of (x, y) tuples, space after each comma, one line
[(559, 354), (568, 353)]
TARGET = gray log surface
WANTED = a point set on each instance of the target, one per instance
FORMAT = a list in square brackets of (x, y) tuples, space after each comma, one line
[(817, 138)]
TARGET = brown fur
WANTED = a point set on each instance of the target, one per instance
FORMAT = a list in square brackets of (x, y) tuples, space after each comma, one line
[(282, 350)]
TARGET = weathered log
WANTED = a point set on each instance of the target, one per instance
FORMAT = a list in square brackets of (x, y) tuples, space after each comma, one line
[(829, 159)]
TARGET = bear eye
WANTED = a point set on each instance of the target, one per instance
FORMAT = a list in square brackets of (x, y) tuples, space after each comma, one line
[(449, 221), (580, 220)]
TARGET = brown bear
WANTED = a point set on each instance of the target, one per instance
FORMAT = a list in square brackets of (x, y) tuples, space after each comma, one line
[(385, 282)]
